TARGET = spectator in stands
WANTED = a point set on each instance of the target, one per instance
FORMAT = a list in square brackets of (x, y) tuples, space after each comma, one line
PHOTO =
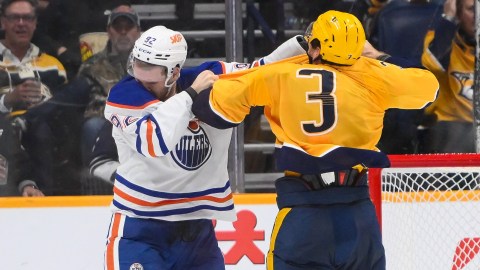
[(96, 19), (27, 78), (85, 96), (16, 174), (62, 22), (105, 69), (395, 23), (450, 55), (28, 75)]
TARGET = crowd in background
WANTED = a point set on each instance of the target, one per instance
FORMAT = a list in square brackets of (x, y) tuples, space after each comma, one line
[(53, 90)]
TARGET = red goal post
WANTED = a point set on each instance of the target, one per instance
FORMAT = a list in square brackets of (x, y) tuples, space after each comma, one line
[(429, 210)]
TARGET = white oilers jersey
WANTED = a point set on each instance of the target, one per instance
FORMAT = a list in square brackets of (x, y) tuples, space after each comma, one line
[(171, 167)]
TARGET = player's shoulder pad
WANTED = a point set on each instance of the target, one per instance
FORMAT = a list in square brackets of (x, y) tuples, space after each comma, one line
[(189, 74), (129, 92)]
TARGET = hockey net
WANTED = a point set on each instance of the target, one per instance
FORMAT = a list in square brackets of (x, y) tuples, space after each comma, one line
[(429, 210)]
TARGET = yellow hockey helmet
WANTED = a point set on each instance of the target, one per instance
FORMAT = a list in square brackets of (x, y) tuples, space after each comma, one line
[(341, 37)]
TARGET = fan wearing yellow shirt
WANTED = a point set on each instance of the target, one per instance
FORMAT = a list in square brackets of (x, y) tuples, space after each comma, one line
[(326, 110), (450, 54)]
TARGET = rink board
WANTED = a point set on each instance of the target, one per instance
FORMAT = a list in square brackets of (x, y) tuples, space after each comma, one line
[(59, 233)]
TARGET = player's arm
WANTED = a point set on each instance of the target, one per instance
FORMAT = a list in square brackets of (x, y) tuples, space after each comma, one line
[(230, 99), (150, 126), (155, 133), (371, 52), (409, 88), (292, 47), (188, 75), (147, 125), (295, 46)]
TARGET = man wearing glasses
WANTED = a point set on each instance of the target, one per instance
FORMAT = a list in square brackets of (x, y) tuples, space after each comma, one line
[(31, 74), (27, 78)]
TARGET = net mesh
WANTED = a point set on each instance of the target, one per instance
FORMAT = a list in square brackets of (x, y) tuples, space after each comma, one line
[(431, 217)]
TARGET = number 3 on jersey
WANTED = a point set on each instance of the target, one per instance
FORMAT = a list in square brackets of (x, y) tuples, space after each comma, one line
[(325, 97)]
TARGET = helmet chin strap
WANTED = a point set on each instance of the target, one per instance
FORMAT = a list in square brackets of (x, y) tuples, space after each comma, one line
[(169, 85)]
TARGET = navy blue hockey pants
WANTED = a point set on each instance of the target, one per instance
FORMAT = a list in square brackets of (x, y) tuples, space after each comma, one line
[(149, 244), (321, 236)]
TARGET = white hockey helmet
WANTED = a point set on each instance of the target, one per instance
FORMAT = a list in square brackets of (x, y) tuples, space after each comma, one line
[(162, 47)]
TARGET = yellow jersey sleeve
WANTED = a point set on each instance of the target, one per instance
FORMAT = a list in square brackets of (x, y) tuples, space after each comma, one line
[(320, 110)]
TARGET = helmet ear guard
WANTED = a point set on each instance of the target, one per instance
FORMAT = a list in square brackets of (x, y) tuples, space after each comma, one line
[(162, 47), (341, 36)]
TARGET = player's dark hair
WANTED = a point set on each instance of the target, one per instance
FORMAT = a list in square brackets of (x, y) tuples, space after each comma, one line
[(315, 43)]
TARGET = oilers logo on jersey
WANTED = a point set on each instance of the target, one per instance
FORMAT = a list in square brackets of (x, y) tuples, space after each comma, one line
[(194, 149)]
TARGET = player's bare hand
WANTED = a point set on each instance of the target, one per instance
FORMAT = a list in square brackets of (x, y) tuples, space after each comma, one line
[(30, 191), (204, 80)]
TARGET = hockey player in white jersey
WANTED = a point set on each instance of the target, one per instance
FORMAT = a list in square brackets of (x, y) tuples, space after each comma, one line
[(166, 188), (172, 179)]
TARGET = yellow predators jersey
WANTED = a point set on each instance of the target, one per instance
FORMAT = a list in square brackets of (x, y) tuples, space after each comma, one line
[(324, 117), (454, 102)]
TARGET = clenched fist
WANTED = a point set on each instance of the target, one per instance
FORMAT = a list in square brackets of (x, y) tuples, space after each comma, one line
[(204, 80)]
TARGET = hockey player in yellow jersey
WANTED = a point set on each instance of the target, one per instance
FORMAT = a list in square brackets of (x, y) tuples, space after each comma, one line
[(326, 110)]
